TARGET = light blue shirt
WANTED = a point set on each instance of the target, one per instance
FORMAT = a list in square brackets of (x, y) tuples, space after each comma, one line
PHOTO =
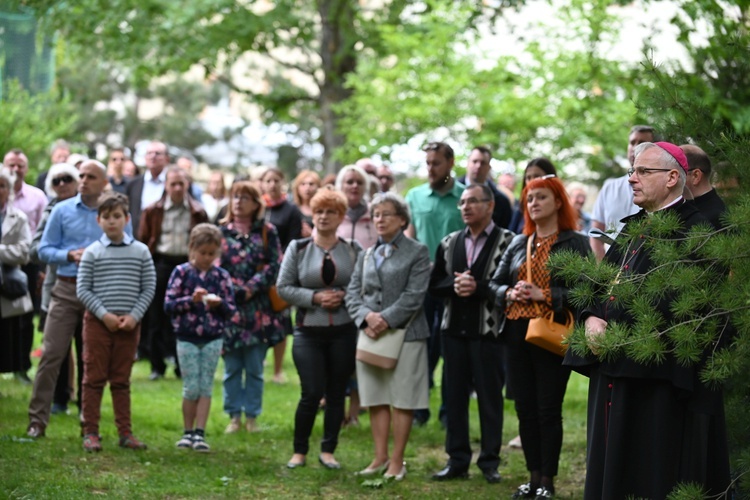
[(71, 225)]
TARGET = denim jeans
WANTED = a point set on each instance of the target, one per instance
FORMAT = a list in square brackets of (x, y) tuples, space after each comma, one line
[(244, 394)]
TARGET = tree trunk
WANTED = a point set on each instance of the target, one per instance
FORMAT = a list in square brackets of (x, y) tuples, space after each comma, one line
[(338, 57)]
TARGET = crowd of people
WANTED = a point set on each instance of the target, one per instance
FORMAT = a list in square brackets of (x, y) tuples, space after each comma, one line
[(127, 266)]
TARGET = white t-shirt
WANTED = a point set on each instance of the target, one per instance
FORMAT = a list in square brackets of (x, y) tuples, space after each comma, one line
[(615, 202)]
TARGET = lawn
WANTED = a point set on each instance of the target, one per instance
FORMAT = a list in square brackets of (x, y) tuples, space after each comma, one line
[(246, 465)]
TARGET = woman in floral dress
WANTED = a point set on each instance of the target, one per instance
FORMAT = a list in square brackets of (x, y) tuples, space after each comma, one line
[(251, 252)]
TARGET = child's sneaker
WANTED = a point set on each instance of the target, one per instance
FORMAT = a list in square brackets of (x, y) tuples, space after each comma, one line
[(186, 441), (131, 442), (200, 444), (234, 426), (91, 443)]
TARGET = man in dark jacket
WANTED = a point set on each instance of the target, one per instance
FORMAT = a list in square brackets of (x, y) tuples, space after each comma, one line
[(478, 172), (650, 425), (165, 228), (706, 199), (472, 351)]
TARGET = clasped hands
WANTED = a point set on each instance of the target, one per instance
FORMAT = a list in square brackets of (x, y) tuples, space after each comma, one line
[(464, 284), (375, 325), (329, 299), (114, 322), (525, 291)]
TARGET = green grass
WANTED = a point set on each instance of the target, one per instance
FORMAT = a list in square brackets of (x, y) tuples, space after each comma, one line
[(246, 465)]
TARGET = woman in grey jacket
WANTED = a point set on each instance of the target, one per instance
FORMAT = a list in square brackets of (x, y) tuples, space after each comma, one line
[(313, 276), (387, 291)]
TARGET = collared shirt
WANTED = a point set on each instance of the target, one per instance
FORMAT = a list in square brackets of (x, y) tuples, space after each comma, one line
[(71, 226), (175, 228), (126, 240), (474, 246), (435, 215), (153, 188), (31, 201)]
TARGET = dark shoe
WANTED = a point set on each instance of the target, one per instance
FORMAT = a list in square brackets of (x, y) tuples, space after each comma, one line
[(543, 493), (23, 378), (155, 376), (35, 430), (449, 473), (421, 417), (131, 442), (58, 409), (492, 476), (332, 465), (524, 491)]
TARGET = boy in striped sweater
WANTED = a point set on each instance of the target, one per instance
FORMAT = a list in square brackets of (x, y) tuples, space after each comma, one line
[(116, 282)]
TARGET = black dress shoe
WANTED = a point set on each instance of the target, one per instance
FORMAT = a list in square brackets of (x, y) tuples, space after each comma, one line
[(450, 473), (492, 476)]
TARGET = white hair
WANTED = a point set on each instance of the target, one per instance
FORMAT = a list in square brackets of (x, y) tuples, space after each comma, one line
[(666, 160), (56, 170)]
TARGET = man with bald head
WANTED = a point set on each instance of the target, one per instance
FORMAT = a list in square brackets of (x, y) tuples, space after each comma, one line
[(148, 188), (705, 197), (71, 227)]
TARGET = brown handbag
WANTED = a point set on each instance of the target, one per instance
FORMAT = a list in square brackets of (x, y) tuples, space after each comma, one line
[(544, 331), (277, 303)]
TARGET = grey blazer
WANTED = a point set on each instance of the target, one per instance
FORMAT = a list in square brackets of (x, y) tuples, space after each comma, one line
[(396, 290)]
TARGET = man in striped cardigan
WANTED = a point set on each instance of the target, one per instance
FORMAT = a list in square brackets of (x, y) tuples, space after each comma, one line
[(472, 351)]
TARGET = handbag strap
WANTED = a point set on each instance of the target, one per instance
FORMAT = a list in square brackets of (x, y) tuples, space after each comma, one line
[(529, 242)]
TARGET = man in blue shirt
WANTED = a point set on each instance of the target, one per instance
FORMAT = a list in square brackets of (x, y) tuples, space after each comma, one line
[(71, 228)]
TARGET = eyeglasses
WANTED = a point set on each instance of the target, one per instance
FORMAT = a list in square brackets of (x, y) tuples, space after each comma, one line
[(65, 179), (471, 201), (383, 215), (385, 177), (639, 171), (154, 153), (242, 198)]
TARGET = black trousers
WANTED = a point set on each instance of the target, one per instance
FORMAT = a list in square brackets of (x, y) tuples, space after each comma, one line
[(325, 362), (26, 321), (433, 310), (538, 381), (477, 363), (162, 340)]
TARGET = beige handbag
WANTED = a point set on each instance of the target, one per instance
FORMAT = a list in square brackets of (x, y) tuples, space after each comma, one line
[(544, 331)]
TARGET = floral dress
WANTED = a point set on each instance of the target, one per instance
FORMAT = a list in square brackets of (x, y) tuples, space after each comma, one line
[(253, 267)]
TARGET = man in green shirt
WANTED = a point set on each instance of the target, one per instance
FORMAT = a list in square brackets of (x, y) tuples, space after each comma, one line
[(435, 214)]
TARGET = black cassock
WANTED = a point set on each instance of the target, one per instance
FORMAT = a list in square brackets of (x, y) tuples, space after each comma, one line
[(649, 426)]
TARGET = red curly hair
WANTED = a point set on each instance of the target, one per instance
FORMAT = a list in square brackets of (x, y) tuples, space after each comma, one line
[(567, 218)]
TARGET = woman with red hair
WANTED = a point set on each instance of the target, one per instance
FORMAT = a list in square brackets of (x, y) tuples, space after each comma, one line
[(536, 377)]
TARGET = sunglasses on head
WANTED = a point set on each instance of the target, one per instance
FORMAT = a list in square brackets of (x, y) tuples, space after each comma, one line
[(65, 179)]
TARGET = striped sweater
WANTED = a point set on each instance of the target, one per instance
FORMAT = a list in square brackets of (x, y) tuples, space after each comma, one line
[(119, 279)]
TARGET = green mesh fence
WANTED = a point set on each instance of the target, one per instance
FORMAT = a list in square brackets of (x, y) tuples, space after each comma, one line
[(25, 54)]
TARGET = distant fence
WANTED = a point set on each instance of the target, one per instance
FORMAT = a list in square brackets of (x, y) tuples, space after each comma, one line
[(25, 54)]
